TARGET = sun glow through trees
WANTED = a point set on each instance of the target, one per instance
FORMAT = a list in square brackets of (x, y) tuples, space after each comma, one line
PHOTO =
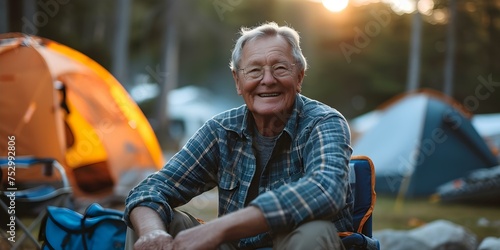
[(335, 5)]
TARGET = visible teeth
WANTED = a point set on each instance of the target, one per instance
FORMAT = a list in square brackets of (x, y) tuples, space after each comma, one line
[(269, 95)]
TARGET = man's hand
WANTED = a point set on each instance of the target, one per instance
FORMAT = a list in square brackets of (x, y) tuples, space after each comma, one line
[(152, 233), (157, 239), (240, 224), (202, 237), (150, 229)]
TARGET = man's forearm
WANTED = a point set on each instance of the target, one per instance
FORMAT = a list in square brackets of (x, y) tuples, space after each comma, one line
[(241, 224), (145, 220)]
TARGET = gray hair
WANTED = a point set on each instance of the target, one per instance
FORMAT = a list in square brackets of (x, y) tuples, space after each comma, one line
[(267, 30)]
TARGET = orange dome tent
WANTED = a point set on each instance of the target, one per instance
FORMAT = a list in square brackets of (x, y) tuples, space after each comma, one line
[(61, 104)]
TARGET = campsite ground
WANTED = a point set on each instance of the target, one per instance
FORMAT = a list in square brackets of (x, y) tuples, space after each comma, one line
[(396, 214), (389, 212)]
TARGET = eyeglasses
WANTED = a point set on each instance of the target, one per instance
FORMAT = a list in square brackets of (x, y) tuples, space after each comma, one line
[(278, 70)]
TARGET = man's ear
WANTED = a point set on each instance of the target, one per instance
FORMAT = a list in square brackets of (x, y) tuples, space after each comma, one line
[(300, 79), (236, 81)]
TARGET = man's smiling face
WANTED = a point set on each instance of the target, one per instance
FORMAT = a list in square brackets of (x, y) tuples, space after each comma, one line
[(271, 95)]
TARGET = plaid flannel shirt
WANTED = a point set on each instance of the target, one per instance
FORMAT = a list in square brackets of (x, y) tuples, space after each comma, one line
[(305, 179)]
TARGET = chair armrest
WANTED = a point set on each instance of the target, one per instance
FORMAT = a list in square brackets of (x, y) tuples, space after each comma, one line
[(48, 166), (360, 241)]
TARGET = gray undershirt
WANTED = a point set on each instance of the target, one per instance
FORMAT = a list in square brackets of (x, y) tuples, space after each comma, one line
[(263, 148)]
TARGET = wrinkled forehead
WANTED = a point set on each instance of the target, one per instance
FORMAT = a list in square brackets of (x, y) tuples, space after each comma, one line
[(266, 49)]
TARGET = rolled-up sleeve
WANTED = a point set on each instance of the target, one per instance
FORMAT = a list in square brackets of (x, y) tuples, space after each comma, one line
[(187, 174), (321, 192)]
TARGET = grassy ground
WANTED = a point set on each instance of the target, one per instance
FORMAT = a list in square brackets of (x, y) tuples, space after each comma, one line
[(481, 220)]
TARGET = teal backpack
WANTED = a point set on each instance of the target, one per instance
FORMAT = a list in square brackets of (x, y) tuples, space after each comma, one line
[(99, 228)]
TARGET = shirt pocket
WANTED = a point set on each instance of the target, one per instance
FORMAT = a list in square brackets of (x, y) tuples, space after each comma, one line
[(228, 192)]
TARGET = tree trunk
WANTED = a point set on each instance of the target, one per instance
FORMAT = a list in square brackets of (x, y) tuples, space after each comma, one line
[(494, 37), (4, 16), (450, 49), (169, 80), (29, 11), (120, 48), (415, 45)]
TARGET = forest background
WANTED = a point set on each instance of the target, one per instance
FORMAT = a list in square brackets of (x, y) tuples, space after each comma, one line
[(359, 57)]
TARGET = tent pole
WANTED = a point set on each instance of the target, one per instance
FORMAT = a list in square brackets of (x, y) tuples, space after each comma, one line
[(403, 189)]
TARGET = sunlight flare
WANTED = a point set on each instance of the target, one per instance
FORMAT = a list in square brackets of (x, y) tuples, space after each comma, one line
[(335, 5)]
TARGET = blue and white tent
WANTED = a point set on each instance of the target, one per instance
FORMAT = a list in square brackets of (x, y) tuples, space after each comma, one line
[(419, 141)]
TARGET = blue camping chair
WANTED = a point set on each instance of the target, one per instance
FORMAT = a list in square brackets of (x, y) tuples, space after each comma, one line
[(362, 181), (29, 199)]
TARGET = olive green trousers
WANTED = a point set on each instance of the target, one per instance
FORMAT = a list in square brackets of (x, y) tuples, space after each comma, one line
[(313, 235)]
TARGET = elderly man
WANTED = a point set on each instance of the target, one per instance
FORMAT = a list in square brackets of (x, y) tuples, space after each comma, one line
[(279, 162)]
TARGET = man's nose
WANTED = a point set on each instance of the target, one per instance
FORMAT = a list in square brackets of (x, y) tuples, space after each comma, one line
[(268, 75)]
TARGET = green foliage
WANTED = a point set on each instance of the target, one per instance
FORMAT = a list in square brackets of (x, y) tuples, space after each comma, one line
[(358, 58)]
